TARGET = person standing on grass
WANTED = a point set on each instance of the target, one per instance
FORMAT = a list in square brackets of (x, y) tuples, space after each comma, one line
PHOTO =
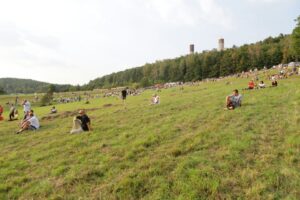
[(12, 112), (85, 121), (1, 112), (31, 124), (233, 101), (16, 100), (26, 107), (124, 95)]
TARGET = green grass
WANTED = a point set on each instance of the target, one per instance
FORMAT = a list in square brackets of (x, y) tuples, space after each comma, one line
[(187, 147)]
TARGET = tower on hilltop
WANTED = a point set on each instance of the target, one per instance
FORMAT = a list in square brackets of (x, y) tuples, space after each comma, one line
[(221, 44), (192, 48)]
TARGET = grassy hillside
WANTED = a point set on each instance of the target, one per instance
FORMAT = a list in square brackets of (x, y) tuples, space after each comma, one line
[(187, 147)]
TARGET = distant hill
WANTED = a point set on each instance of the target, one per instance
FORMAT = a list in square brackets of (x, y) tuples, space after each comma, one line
[(15, 85)]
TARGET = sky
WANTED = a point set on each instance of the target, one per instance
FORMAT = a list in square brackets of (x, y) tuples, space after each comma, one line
[(75, 41)]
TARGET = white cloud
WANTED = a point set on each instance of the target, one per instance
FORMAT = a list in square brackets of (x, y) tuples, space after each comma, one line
[(192, 13), (268, 1), (73, 41)]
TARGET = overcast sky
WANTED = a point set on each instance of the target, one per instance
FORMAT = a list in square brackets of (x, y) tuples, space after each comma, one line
[(74, 41)]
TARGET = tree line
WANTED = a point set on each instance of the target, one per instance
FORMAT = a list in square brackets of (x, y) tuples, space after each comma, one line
[(199, 66), (26, 86), (193, 67)]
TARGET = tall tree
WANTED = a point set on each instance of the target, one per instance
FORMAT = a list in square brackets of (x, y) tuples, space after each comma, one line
[(208, 64), (296, 39), (48, 97), (2, 91)]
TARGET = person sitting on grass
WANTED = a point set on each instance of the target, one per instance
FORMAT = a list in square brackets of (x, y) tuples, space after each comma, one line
[(251, 85), (274, 83), (84, 122), (53, 110), (233, 101), (26, 117), (31, 124), (76, 128), (261, 85), (155, 99)]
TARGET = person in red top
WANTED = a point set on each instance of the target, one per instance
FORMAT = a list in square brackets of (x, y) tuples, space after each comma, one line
[(1, 111), (251, 85)]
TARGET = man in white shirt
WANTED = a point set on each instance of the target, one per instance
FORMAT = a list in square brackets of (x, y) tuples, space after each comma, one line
[(26, 108), (261, 84), (31, 124)]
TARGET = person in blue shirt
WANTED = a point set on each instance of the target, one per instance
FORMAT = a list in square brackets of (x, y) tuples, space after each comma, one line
[(233, 101)]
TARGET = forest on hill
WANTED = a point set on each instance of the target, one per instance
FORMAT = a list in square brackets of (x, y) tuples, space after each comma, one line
[(193, 67), (199, 66), (25, 86)]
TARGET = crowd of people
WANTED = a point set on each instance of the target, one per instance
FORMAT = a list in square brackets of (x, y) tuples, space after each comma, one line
[(261, 85), (82, 122), (235, 100)]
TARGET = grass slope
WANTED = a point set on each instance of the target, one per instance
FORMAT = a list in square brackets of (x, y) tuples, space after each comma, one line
[(187, 147)]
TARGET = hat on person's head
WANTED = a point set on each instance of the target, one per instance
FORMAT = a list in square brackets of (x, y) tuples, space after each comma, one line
[(81, 111)]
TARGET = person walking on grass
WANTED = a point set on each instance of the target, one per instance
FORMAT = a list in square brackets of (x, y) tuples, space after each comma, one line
[(233, 101), (124, 94)]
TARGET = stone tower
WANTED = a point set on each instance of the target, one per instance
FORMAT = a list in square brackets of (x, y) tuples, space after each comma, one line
[(221, 44), (192, 48)]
